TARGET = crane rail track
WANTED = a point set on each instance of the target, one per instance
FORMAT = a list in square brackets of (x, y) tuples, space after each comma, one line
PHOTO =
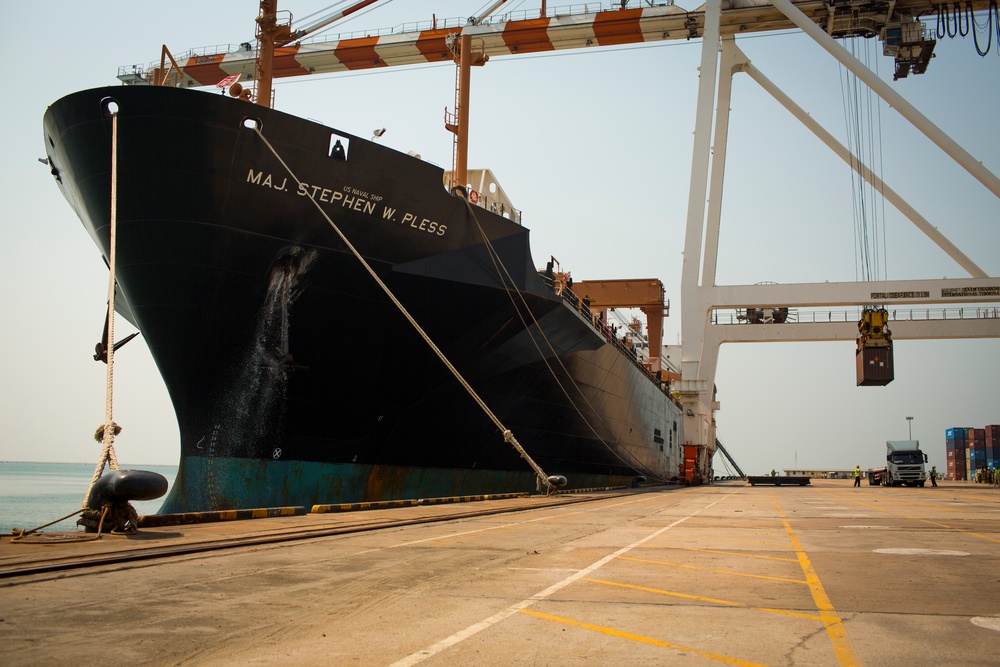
[(12, 576)]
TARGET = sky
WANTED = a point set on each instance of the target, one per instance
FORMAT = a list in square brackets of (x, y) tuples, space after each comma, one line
[(594, 146)]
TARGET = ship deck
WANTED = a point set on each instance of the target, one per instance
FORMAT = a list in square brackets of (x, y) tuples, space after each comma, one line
[(824, 574)]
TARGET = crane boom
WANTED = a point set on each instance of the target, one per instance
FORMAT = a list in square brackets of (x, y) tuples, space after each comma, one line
[(565, 28)]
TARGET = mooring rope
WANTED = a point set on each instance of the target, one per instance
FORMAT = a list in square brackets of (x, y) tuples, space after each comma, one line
[(505, 278), (108, 450), (19, 535), (508, 436)]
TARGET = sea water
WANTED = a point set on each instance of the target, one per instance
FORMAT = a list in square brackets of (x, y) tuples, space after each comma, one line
[(33, 494)]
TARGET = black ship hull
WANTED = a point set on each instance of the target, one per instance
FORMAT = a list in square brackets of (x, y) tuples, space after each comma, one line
[(294, 378)]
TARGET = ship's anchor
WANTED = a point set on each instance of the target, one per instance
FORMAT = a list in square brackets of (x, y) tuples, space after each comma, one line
[(101, 349)]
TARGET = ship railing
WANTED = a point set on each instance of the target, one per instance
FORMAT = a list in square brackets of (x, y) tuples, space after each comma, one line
[(197, 52), (492, 204), (729, 316), (601, 327), (501, 208), (457, 23)]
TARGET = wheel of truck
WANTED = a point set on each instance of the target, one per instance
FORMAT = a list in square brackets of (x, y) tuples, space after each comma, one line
[(921, 484)]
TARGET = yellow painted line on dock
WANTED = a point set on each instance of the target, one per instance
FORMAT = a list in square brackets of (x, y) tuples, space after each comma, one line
[(708, 569), (708, 655), (460, 636), (724, 553), (701, 598), (758, 527), (843, 648), (521, 525), (917, 518), (701, 538)]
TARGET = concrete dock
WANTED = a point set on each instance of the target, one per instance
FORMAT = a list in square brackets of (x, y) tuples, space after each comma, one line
[(824, 574)]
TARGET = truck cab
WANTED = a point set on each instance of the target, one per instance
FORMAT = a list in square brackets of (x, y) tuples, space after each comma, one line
[(904, 463)]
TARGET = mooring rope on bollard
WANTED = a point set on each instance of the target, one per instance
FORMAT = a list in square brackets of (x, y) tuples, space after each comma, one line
[(110, 429)]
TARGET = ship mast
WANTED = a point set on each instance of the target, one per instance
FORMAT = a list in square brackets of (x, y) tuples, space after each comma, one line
[(271, 34), (465, 60)]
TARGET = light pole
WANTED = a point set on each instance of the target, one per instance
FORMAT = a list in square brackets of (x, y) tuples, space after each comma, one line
[(909, 426)]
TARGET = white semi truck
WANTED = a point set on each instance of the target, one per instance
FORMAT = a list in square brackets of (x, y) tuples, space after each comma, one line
[(904, 464)]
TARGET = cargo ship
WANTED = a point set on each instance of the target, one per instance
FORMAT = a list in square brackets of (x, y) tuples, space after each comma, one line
[(248, 244)]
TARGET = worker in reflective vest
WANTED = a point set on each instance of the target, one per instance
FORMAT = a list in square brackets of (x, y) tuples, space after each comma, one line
[(857, 475)]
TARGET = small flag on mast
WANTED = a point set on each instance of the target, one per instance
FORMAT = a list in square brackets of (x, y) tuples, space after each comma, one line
[(228, 81)]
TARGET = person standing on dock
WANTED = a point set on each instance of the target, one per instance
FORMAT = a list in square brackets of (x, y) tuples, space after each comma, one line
[(933, 475), (857, 475)]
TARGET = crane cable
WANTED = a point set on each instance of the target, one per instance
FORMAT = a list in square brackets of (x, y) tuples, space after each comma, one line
[(864, 137), (109, 429), (950, 24), (507, 435)]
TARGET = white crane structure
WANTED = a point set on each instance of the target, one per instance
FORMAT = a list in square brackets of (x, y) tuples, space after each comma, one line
[(702, 333)]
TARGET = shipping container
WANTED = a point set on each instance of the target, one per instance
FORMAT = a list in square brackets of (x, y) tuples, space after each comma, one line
[(874, 366)]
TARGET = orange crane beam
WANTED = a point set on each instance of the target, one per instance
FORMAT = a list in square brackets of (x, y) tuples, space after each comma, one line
[(498, 37)]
